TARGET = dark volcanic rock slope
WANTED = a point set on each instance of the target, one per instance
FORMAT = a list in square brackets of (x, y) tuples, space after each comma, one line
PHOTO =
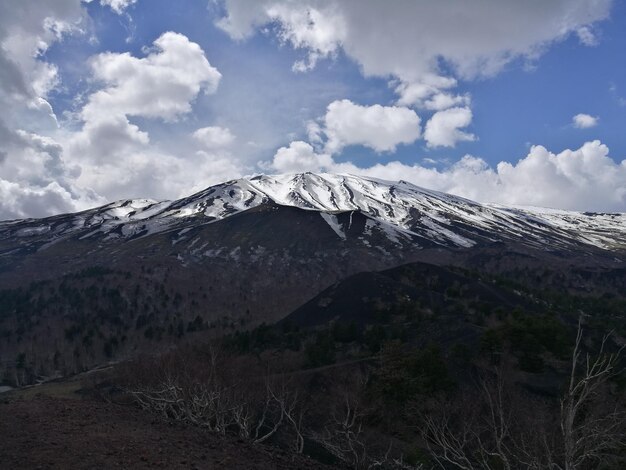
[(136, 274)]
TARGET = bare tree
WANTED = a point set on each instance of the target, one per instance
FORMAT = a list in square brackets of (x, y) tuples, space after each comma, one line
[(473, 431), (590, 431), (294, 411), (498, 427), (344, 436), (448, 438), (485, 428), (223, 396)]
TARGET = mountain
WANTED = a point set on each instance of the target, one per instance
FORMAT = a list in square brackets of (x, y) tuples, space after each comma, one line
[(78, 289), (374, 297), (400, 210), (460, 303)]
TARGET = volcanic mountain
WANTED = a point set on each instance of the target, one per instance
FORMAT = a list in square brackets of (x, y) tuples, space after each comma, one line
[(402, 211), (252, 250)]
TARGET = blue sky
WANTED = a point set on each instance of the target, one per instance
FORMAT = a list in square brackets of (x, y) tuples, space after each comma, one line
[(499, 101)]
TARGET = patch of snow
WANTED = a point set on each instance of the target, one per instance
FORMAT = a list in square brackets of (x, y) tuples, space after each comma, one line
[(333, 222), (32, 231), (213, 253)]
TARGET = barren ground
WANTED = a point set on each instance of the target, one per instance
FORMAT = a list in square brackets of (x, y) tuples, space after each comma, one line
[(55, 428)]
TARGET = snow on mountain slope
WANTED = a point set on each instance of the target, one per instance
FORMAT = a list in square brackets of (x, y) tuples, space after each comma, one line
[(605, 230), (400, 210)]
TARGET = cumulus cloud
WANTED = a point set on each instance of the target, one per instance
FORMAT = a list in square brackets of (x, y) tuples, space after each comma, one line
[(473, 38), (19, 202), (111, 155), (431, 92), (586, 36), (148, 172), (444, 128), (440, 101), (106, 138), (26, 32), (213, 137), (321, 31), (118, 6), (584, 121), (164, 85), (582, 179), (300, 156), (476, 38), (381, 128), (422, 47), (35, 179)]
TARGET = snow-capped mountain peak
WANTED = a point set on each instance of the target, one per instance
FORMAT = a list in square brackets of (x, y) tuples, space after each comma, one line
[(402, 211)]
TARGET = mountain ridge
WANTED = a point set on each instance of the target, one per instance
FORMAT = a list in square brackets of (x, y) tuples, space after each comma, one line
[(408, 209), (247, 252)]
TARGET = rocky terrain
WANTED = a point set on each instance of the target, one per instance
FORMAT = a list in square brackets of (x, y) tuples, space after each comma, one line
[(76, 432)]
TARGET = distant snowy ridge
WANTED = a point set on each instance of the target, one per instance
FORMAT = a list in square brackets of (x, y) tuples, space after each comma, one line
[(399, 209)]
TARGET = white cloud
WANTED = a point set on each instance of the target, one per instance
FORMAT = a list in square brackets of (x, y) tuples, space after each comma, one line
[(408, 39), (242, 18), (584, 121), (111, 155), (162, 84), (107, 138), (300, 156), (582, 179), (413, 42), (430, 93), (35, 179), (440, 101), (586, 36), (117, 157), (20, 202), (207, 169), (118, 6), (214, 137), (26, 32), (148, 172), (321, 31), (381, 128), (443, 128)]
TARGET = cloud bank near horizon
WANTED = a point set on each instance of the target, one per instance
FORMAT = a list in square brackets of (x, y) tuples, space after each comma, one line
[(585, 179)]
